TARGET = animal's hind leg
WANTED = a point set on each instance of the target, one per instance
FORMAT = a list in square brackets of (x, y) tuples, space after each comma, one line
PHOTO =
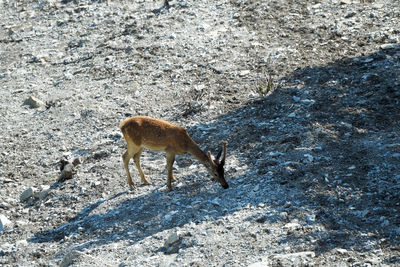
[(170, 163), (136, 159), (126, 157)]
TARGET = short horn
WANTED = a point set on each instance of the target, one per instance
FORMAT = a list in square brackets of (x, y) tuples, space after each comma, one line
[(223, 157)]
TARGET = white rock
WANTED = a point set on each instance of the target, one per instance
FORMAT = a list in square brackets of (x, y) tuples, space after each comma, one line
[(308, 101), (292, 226), (172, 239), (4, 223), (34, 102), (342, 251), (171, 245), (259, 264), (22, 243), (244, 73), (27, 194)]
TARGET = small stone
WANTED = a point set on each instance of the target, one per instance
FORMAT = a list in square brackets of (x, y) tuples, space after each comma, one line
[(373, 261), (377, 6), (42, 192), (342, 251), (292, 226), (396, 155), (263, 263), (385, 223), (67, 172), (309, 102), (274, 154), (34, 102), (100, 154), (244, 73), (171, 244), (4, 223), (71, 258), (308, 158), (76, 161), (294, 259), (172, 239), (311, 218), (27, 194), (296, 99), (216, 202)]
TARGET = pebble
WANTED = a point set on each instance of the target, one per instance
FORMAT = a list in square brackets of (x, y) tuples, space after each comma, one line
[(42, 192), (34, 102), (27, 194), (71, 258), (294, 259), (244, 73), (67, 172), (342, 251), (171, 243), (216, 202), (4, 223), (263, 263), (292, 226)]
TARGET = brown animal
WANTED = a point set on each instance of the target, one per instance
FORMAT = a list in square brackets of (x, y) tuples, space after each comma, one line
[(143, 132)]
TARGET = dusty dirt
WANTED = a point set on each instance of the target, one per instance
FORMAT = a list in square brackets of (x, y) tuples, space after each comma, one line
[(313, 159)]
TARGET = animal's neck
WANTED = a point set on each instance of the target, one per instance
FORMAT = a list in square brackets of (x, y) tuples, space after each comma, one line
[(199, 154)]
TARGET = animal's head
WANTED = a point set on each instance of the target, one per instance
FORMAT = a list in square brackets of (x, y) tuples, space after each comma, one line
[(217, 166)]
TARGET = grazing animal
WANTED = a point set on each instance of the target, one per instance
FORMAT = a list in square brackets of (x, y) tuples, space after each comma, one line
[(143, 132)]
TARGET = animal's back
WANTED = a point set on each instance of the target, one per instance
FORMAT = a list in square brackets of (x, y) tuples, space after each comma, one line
[(152, 133)]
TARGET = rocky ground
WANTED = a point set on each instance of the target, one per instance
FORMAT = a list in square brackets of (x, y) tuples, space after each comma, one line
[(306, 93)]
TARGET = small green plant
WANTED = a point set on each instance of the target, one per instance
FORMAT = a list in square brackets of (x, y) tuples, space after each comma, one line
[(267, 84), (264, 89)]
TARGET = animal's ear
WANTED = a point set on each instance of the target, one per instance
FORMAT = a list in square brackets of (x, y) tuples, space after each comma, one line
[(218, 155), (210, 157)]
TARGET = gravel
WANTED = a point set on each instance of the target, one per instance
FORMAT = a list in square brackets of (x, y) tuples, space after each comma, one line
[(305, 93)]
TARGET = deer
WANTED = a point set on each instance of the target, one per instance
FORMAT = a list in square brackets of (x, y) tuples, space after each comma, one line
[(154, 134)]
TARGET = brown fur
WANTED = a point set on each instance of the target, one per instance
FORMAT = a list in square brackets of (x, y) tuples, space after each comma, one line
[(143, 132)]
